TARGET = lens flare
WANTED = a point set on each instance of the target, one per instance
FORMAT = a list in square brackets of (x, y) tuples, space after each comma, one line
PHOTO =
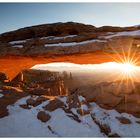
[(128, 68), (128, 57)]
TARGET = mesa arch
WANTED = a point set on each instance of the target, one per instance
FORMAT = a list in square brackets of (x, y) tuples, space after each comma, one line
[(12, 65)]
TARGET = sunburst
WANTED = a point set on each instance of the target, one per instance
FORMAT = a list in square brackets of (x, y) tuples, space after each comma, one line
[(129, 61)]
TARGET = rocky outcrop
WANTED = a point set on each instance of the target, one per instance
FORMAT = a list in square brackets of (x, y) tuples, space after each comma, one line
[(10, 96), (41, 82), (123, 97), (35, 102), (73, 101), (83, 112), (55, 38), (42, 116), (123, 120), (54, 29), (53, 105), (3, 77)]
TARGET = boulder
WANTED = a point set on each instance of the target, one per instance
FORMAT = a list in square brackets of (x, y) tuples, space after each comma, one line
[(53, 105), (3, 77), (30, 102), (123, 120), (35, 102), (42, 116), (41, 99)]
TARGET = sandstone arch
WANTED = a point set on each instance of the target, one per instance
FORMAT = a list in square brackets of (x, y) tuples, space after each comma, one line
[(12, 65)]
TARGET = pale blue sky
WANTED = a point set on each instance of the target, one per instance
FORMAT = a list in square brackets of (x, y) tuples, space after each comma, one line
[(17, 15)]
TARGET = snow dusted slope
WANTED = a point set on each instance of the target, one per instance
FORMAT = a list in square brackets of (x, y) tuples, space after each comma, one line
[(23, 122), (125, 33), (97, 123), (123, 124), (68, 38)]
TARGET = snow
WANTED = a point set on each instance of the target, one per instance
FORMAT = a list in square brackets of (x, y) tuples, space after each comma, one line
[(63, 99), (69, 128), (23, 122), (64, 37), (125, 33), (88, 121), (74, 43), (58, 37), (81, 98), (84, 107), (17, 42), (108, 117), (1, 95), (47, 37), (18, 46)]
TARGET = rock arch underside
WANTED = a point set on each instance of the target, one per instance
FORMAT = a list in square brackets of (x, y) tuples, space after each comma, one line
[(12, 65)]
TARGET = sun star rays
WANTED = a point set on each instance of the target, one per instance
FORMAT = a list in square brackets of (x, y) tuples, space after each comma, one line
[(129, 59)]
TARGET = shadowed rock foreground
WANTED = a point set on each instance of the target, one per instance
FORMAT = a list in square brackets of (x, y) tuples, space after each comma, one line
[(122, 96)]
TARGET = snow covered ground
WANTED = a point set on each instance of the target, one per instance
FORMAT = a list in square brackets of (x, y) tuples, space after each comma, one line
[(109, 117), (23, 122)]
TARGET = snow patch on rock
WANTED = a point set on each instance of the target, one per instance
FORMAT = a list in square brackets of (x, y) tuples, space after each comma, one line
[(1, 95), (74, 43), (18, 46), (17, 42), (125, 33), (108, 117)]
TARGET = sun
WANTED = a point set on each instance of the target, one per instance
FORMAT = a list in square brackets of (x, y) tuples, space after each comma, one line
[(128, 67)]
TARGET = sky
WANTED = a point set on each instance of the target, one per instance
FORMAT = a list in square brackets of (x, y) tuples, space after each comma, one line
[(17, 15)]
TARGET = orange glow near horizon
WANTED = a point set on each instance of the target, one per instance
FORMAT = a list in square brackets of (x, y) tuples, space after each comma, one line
[(129, 64)]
